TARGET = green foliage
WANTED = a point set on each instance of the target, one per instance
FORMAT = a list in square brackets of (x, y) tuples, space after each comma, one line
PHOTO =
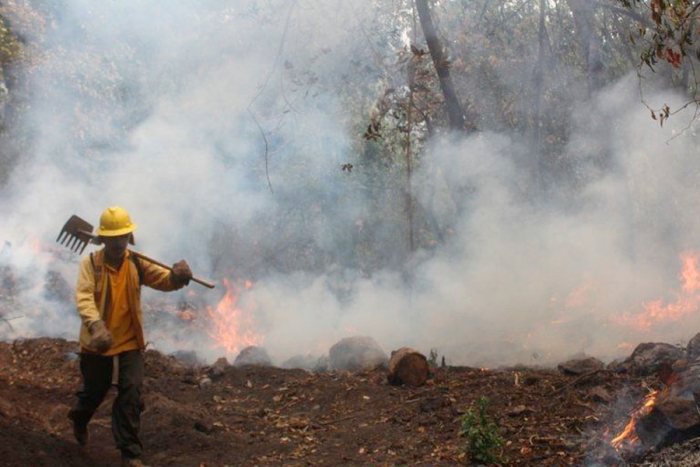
[(483, 437), (10, 47), (11, 53)]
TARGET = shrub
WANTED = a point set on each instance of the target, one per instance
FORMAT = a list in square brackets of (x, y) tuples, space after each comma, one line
[(482, 434)]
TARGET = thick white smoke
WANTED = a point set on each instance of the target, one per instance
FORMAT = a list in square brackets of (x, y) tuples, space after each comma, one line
[(155, 106)]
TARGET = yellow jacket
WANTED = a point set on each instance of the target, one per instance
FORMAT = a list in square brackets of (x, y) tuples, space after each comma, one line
[(92, 283)]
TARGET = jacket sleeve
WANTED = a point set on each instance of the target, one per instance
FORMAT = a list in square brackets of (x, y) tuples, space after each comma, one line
[(85, 294), (157, 277)]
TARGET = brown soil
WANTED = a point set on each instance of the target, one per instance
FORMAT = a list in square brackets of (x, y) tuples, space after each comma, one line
[(263, 416)]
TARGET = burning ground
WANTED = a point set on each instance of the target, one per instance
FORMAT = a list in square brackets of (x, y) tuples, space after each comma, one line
[(226, 128), (220, 414), (203, 410)]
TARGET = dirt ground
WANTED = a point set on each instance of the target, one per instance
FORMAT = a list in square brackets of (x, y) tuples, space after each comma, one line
[(264, 416)]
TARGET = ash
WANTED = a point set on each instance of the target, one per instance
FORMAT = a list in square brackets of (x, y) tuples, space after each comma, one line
[(685, 454)]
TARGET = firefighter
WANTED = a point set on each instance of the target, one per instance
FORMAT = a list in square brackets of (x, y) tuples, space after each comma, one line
[(108, 297)]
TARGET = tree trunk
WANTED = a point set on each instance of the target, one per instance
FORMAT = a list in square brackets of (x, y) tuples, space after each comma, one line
[(537, 152), (584, 19), (409, 367), (458, 121)]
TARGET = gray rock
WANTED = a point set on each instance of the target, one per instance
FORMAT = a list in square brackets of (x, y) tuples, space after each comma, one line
[(648, 358), (305, 362), (253, 355), (693, 347), (581, 366), (357, 353), (218, 369)]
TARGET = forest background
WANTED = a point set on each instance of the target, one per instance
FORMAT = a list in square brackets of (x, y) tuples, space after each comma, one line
[(505, 181)]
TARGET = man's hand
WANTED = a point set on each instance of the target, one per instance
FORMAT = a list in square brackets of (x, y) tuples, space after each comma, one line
[(181, 272), (102, 339)]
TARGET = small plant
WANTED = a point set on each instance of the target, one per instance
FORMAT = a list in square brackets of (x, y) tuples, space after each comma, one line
[(432, 358), (483, 437)]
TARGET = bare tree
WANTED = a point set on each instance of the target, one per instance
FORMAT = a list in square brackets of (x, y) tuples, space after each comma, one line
[(455, 112), (582, 11)]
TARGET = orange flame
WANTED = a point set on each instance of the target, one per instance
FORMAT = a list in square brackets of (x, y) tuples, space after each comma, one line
[(629, 434), (686, 302), (186, 315), (232, 327), (578, 297)]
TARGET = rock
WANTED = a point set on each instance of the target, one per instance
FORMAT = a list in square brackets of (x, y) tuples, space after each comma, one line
[(672, 419), (218, 369), (430, 404), (617, 365), (680, 365), (322, 365), (581, 366), (205, 383), (599, 394), (693, 347), (674, 416), (305, 362), (687, 382), (648, 358), (188, 357), (357, 353), (253, 355)]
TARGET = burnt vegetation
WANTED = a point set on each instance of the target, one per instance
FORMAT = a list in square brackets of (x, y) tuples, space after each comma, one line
[(222, 415), (417, 72)]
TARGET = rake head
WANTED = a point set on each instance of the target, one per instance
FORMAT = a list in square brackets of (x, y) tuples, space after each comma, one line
[(76, 234)]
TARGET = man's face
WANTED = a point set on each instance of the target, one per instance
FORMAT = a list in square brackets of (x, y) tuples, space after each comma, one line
[(115, 247)]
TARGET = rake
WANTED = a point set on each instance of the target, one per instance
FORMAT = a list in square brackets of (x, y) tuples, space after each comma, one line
[(77, 233)]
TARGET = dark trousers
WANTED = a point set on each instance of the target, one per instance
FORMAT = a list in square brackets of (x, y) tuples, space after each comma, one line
[(127, 407)]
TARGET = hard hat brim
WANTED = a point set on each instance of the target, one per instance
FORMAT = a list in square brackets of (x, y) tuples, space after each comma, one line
[(116, 233)]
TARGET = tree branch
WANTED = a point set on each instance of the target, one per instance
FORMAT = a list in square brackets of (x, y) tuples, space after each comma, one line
[(264, 85)]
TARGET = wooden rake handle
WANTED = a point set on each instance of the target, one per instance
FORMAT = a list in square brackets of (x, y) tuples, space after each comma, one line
[(77, 233), (169, 268)]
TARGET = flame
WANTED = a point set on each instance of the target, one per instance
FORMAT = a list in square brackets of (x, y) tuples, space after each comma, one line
[(232, 327), (186, 315), (578, 297), (629, 434), (690, 273), (686, 301)]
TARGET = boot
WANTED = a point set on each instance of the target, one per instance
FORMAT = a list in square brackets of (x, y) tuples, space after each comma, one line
[(132, 462), (80, 431)]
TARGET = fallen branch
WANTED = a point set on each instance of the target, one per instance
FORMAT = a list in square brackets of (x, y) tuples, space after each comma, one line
[(7, 321), (342, 419), (575, 381)]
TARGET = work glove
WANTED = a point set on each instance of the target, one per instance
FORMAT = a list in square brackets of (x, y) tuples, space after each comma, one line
[(181, 273), (102, 339)]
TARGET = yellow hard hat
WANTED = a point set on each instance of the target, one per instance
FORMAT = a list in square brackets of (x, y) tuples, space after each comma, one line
[(115, 221)]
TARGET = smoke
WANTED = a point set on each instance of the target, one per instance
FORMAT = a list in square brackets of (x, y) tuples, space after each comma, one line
[(220, 128)]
